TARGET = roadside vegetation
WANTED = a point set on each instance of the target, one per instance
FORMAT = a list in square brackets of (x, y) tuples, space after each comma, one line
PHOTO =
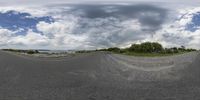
[(22, 51), (149, 49)]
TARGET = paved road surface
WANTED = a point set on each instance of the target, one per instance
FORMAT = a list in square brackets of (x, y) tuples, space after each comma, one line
[(99, 76)]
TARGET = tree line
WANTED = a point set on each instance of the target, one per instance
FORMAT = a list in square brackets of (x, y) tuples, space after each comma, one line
[(149, 47), (22, 51)]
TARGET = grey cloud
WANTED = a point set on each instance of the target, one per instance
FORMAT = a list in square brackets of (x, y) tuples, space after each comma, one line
[(103, 23), (107, 32), (177, 39), (148, 15), (46, 2)]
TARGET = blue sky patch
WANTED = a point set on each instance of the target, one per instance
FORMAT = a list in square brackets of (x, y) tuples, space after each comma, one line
[(14, 21), (195, 24)]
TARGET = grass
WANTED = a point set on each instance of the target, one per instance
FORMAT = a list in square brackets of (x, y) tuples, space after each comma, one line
[(151, 54)]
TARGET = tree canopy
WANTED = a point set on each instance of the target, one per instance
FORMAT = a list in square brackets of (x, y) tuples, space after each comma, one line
[(149, 47), (146, 47)]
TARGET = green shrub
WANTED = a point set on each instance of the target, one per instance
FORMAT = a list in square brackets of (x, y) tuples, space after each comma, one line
[(30, 52), (114, 49)]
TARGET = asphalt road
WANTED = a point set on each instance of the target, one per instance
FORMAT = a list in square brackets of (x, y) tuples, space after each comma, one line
[(99, 76)]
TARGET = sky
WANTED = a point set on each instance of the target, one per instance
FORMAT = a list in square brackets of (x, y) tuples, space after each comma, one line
[(95, 24), (16, 2)]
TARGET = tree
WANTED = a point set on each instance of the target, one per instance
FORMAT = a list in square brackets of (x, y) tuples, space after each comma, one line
[(149, 47), (114, 49), (135, 48), (175, 50), (168, 51), (146, 47), (157, 47), (30, 52)]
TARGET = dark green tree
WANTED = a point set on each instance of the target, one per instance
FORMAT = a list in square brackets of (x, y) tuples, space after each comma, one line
[(157, 47), (114, 49), (135, 48)]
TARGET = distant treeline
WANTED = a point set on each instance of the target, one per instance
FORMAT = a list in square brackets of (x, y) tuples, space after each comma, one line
[(85, 51), (149, 47), (146, 47), (22, 51)]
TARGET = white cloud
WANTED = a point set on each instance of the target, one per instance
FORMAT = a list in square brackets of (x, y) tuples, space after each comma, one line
[(60, 34), (56, 28), (34, 11), (177, 34), (5, 35), (31, 39)]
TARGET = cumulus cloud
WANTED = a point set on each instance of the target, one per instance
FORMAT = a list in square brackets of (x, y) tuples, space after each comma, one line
[(60, 34), (9, 39), (30, 39), (5, 35)]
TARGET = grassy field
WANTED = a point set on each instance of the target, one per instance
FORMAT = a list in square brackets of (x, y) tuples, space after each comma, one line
[(151, 54)]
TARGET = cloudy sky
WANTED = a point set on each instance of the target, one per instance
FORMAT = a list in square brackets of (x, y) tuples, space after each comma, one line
[(93, 24)]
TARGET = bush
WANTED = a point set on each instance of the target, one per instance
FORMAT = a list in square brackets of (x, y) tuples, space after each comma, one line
[(115, 49), (168, 51), (30, 52), (175, 50)]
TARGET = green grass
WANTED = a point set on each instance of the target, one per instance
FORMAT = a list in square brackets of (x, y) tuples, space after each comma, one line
[(151, 54)]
